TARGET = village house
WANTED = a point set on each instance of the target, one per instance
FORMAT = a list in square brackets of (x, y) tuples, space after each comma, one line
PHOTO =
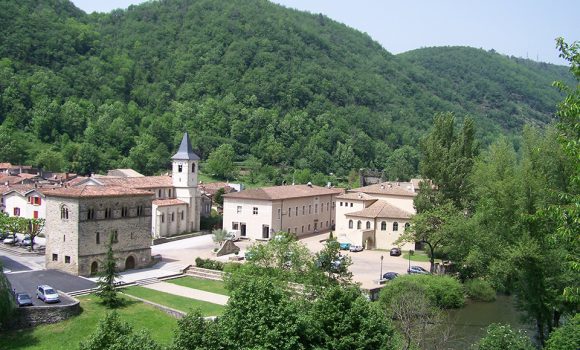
[(297, 209), (375, 216), (81, 220)]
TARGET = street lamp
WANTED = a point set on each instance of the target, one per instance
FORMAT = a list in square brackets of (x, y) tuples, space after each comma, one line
[(411, 252), (381, 276)]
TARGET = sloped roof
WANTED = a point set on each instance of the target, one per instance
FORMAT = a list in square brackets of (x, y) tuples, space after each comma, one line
[(381, 209), (284, 192), (168, 202), (124, 173), (356, 196), (185, 152), (87, 191), (11, 180), (387, 188), (145, 182)]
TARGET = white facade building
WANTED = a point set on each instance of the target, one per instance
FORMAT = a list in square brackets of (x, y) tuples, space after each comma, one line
[(297, 209)]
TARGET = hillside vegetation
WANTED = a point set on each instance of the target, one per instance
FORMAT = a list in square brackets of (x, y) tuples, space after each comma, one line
[(86, 93)]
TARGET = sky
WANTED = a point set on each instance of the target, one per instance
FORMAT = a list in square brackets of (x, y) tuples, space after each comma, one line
[(521, 28)]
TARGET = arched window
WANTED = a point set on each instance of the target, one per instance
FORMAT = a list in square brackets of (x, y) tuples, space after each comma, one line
[(358, 225), (368, 225), (64, 212), (395, 226), (349, 223), (193, 167), (407, 225), (383, 226)]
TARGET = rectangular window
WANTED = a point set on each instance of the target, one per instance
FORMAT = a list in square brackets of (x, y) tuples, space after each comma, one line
[(351, 205), (64, 238), (239, 209), (139, 210), (124, 211), (315, 208), (35, 214), (131, 235), (98, 238), (279, 213), (341, 204), (172, 216), (16, 211), (115, 236), (289, 212), (180, 168), (235, 226), (310, 209), (303, 210), (162, 218), (37, 200), (296, 211), (54, 257), (67, 259), (327, 206), (169, 193), (90, 214), (107, 213), (159, 194), (322, 208), (303, 229), (30, 200), (181, 215), (255, 211)]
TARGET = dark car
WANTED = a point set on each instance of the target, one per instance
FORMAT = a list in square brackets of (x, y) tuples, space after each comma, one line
[(418, 270), (390, 276), (23, 299), (395, 251)]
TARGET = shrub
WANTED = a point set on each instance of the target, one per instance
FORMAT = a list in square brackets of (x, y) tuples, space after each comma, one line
[(479, 290), (209, 264), (566, 336), (500, 336), (231, 267), (443, 291)]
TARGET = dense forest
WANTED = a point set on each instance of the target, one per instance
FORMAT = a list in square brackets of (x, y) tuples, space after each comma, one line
[(88, 92)]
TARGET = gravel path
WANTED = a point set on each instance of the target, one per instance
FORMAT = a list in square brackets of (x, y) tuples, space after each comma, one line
[(189, 292)]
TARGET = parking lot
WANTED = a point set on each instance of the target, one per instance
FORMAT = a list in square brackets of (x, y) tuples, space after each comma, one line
[(27, 281)]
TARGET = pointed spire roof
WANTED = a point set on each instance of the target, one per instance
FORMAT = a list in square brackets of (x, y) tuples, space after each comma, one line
[(185, 152)]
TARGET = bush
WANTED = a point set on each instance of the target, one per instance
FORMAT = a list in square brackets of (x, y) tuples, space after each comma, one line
[(209, 264), (566, 336), (443, 291), (479, 290), (500, 336), (231, 267)]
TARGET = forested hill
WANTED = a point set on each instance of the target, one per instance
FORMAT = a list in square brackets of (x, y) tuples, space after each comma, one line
[(85, 92)]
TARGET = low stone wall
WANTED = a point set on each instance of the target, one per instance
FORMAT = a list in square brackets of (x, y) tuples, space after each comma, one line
[(31, 316)]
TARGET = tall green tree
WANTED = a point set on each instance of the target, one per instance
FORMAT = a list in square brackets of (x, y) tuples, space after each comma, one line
[(7, 302), (106, 288), (220, 162)]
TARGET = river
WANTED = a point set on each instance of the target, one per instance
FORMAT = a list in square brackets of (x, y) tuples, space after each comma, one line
[(468, 324)]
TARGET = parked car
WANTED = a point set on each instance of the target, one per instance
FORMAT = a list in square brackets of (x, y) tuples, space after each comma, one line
[(395, 251), (23, 299), (336, 264), (3, 235), (233, 236), (344, 246), (26, 241), (390, 276), (418, 270), (10, 240), (356, 248), (47, 294)]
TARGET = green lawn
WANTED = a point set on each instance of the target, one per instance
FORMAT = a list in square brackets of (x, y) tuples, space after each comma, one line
[(67, 334), (201, 284), (175, 301), (418, 256)]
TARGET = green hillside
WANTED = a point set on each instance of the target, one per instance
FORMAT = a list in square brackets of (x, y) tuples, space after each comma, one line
[(85, 92)]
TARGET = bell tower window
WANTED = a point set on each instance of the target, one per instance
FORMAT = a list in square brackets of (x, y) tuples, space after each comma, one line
[(179, 168)]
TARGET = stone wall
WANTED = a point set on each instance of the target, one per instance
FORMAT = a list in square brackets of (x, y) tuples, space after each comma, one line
[(26, 317)]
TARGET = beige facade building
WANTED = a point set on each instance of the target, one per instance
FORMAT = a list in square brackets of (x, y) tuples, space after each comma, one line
[(375, 216), (297, 209), (80, 221)]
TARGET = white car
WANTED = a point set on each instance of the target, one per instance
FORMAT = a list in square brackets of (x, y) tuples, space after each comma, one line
[(47, 294), (356, 248), (10, 240), (233, 236)]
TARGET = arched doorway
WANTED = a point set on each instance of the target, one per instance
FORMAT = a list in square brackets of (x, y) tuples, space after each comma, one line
[(94, 268), (130, 263)]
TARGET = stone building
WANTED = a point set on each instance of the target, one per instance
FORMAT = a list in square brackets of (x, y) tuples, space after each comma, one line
[(81, 220)]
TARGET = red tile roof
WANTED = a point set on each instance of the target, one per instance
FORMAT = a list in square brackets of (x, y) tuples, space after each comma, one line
[(381, 209), (95, 191), (284, 192), (356, 196), (168, 202), (145, 182)]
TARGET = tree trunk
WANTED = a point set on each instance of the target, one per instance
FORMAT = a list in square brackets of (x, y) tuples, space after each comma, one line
[(540, 327)]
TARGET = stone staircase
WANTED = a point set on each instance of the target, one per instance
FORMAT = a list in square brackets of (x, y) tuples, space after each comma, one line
[(147, 281), (207, 274)]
